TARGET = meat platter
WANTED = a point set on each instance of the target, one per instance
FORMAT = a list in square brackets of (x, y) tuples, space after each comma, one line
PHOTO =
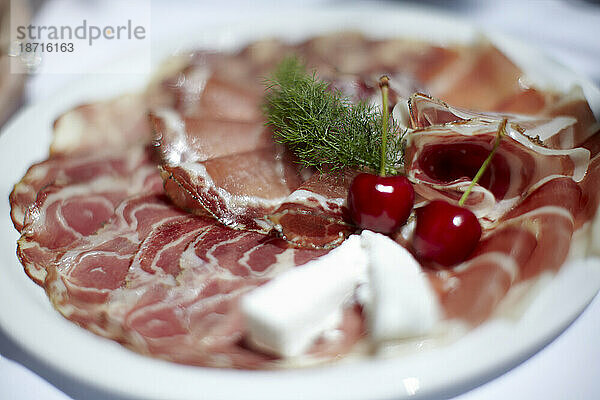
[(134, 178)]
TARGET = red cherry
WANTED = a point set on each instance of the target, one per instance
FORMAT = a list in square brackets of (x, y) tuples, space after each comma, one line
[(445, 233), (380, 203)]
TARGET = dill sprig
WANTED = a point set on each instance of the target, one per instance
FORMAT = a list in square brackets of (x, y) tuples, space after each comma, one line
[(324, 128)]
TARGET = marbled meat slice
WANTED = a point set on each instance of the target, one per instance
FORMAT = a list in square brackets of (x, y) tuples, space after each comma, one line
[(565, 123), (70, 170), (168, 285), (117, 123), (442, 160), (80, 205), (190, 139), (221, 99), (239, 190), (315, 215), (479, 79), (217, 157)]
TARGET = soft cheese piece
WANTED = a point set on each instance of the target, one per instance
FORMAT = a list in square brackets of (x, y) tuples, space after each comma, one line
[(286, 315), (402, 303)]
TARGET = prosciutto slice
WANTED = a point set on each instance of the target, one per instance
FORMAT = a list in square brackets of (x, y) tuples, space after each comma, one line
[(553, 128), (189, 139), (496, 77), (239, 190), (117, 123), (443, 159), (167, 284)]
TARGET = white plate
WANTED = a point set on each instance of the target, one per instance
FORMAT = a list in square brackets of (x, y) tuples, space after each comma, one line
[(26, 315)]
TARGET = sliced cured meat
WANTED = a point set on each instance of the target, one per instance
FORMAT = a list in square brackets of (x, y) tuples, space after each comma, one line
[(79, 206), (559, 191), (167, 284), (472, 291), (479, 79), (590, 195), (199, 139), (423, 61), (118, 123), (593, 144), (225, 100), (86, 271), (443, 159), (204, 90), (574, 104), (526, 101), (315, 214), (239, 190), (553, 128), (69, 170), (217, 157)]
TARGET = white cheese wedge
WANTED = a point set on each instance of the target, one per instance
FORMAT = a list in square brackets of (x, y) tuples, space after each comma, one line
[(402, 302), (286, 315)]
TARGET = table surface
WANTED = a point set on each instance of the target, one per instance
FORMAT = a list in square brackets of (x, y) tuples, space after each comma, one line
[(568, 367)]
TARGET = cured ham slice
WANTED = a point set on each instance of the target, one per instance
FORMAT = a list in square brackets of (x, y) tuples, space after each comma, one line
[(84, 273), (70, 170), (443, 159), (479, 79), (216, 86), (189, 139), (217, 157), (118, 122), (239, 190), (315, 214), (553, 129), (590, 195), (79, 205), (115, 123), (167, 284), (574, 104), (241, 104), (555, 106)]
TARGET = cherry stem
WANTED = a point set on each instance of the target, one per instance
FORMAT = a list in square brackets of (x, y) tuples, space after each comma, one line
[(384, 86), (501, 131)]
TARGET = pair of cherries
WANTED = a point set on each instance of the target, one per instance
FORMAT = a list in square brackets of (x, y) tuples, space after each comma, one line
[(445, 233)]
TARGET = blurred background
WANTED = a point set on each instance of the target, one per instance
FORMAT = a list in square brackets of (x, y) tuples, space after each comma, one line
[(567, 30)]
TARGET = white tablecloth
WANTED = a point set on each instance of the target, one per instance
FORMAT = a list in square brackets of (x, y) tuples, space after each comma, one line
[(568, 368)]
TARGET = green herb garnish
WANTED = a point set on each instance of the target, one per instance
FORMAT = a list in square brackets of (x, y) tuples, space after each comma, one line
[(326, 129)]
